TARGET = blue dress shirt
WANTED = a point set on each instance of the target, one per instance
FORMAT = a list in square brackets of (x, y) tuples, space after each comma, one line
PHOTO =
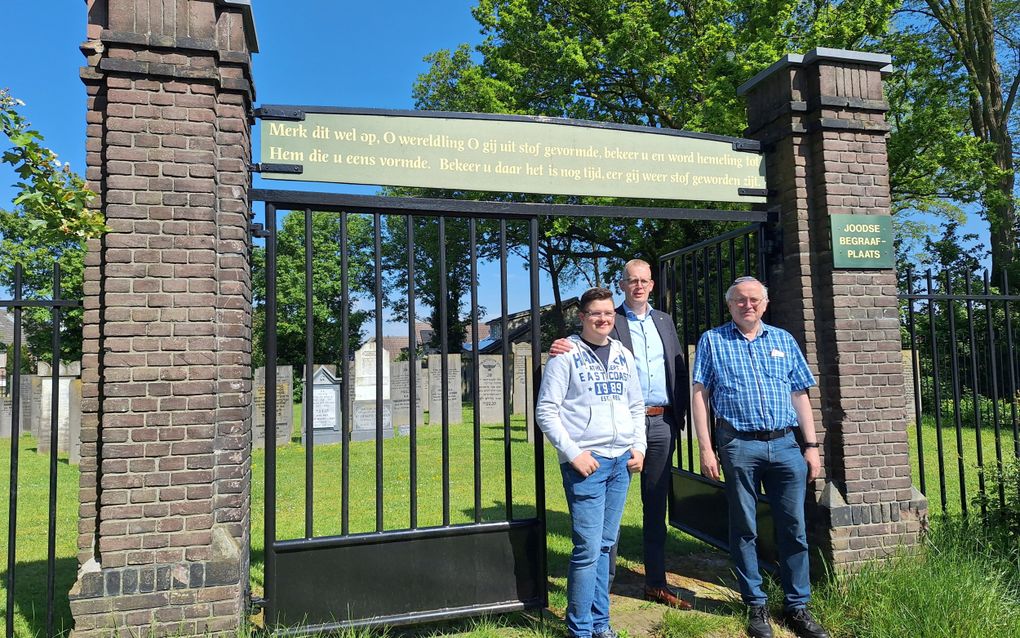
[(750, 382), (649, 357)]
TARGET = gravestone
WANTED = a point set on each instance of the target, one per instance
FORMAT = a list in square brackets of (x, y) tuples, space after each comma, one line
[(31, 397), (436, 389), (423, 386), (5, 417), (284, 406), (520, 352), (325, 409), (364, 409), (529, 403), (490, 388), (363, 424), (74, 422), (400, 394), (43, 419)]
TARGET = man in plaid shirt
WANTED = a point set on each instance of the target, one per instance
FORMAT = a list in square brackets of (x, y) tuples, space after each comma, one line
[(757, 379)]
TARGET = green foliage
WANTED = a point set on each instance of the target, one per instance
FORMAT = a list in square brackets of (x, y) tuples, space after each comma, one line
[(647, 62), (1002, 502), (49, 224), (955, 584), (327, 288)]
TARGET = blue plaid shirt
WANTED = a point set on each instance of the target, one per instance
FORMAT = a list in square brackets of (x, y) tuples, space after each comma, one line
[(750, 382)]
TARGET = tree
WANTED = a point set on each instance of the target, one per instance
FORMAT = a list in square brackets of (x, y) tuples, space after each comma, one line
[(656, 63), (428, 293), (327, 289), (50, 223), (980, 38)]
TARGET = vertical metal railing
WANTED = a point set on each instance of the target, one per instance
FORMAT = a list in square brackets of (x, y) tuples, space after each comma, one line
[(269, 515), (55, 305), (695, 283), (961, 344)]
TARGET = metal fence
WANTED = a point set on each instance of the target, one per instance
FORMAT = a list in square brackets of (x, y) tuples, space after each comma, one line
[(959, 335), (22, 593)]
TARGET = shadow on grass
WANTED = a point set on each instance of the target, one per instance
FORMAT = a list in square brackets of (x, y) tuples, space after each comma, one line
[(30, 596)]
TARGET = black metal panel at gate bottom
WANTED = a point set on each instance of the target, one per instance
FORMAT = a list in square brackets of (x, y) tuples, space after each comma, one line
[(388, 578), (697, 506)]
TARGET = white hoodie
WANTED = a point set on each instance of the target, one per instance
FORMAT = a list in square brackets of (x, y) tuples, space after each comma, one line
[(582, 405)]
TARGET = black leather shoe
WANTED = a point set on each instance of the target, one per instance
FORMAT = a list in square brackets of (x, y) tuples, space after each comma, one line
[(802, 623), (758, 622)]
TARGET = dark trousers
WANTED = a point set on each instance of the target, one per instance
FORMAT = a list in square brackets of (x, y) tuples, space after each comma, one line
[(655, 479)]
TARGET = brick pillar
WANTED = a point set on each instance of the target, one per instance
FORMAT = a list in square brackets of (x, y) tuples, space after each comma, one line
[(821, 119), (165, 468)]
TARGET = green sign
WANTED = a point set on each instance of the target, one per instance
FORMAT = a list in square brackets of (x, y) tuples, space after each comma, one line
[(508, 154), (862, 241)]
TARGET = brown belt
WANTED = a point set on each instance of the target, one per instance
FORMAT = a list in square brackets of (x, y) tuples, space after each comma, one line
[(657, 410)]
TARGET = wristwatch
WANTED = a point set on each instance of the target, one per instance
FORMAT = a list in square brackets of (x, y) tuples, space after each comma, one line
[(807, 445)]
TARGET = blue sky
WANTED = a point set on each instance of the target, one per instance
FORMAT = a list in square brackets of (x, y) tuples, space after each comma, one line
[(316, 52)]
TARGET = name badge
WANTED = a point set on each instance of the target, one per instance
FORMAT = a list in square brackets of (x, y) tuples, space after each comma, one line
[(778, 353)]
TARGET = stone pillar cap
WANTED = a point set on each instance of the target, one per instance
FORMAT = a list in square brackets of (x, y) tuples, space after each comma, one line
[(249, 21), (881, 60)]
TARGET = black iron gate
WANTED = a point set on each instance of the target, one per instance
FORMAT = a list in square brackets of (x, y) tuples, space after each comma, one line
[(457, 564), (31, 588), (320, 576), (695, 280)]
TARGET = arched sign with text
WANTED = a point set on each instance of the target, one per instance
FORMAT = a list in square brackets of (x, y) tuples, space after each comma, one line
[(506, 154)]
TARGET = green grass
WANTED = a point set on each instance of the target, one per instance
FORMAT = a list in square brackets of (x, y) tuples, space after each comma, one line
[(962, 584), (327, 482), (952, 456), (31, 539), (944, 571)]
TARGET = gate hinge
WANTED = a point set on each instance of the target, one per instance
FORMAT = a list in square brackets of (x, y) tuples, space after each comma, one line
[(255, 604), (258, 230), (290, 113), (289, 169)]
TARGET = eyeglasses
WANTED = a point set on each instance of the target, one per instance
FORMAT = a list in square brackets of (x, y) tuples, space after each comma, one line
[(638, 282), (599, 315), (754, 302)]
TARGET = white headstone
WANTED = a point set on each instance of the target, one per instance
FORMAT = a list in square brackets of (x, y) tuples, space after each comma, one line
[(325, 400), (452, 391), (365, 374), (490, 388), (284, 406)]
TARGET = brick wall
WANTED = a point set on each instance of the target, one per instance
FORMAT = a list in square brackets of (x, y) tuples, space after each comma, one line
[(166, 378), (821, 120)]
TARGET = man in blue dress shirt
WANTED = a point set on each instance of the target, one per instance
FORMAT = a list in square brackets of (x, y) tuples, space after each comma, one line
[(757, 379)]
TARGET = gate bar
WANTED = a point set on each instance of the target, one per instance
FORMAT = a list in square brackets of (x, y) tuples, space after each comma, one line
[(379, 483), (412, 375), (444, 364), (345, 384), (307, 397), (536, 371), (269, 531), (343, 202), (51, 531)]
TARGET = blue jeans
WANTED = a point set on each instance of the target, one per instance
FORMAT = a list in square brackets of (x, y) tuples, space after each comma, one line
[(779, 467), (596, 507)]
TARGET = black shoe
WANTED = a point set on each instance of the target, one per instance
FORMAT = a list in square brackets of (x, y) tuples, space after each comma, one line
[(802, 623), (758, 622), (608, 633)]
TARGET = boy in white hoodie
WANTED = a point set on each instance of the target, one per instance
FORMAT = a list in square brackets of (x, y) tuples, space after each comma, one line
[(591, 409)]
